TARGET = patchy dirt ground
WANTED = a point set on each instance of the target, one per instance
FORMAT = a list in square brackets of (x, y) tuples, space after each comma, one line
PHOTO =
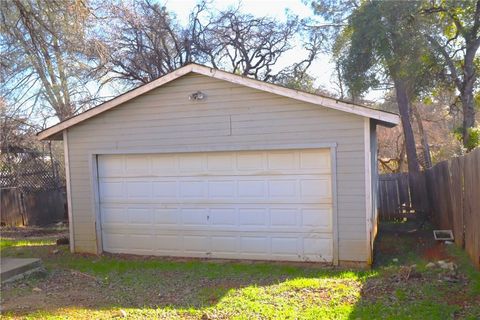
[(58, 288), (54, 231), (400, 285)]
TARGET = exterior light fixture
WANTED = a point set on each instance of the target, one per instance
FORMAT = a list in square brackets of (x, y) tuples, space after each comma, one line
[(197, 96)]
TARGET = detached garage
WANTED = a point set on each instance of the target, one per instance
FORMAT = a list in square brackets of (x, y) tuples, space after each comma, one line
[(205, 163)]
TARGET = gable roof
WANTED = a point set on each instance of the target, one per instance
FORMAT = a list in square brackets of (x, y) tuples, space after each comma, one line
[(384, 118)]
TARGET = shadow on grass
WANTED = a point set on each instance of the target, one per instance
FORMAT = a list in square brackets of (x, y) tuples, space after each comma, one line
[(84, 286), (149, 285)]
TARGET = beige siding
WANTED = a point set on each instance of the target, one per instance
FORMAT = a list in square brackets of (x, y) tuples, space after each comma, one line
[(231, 116)]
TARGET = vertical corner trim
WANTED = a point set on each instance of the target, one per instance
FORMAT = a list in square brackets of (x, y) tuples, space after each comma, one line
[(69, 191), (335, 245), (93, 165), (368, 189)]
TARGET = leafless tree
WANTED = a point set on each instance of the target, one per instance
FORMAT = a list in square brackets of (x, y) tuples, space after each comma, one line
[(247, 45), (146, 42), (45, 54)]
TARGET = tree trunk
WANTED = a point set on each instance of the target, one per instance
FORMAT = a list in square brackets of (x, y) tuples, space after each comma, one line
[(417, 184), (423, 137), (404, 109), (468, 107), (401, 158)]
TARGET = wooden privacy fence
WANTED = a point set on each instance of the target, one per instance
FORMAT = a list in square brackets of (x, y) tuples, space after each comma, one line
[(34, 207), (454, 193), (451, 194), (393, 191), (396, 199)]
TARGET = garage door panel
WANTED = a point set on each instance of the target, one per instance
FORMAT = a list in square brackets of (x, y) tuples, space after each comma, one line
[(225, 244), (138, 189), (318, 188), (137, 165), (141, 242), (231, 188), (165, 189), (169, 203), (221, 189), (220, 162), (216, 163), (194, 217), (166, 217), (168, 244), (251, 189), (285, 245), (111, 166), (312, 159), (283, 189), (200, 244), (313, 246), (252, 205), (317, 218), (205, 216), (255, 245), (115, 242), (111, 190), (265, 231), (278, 160), (252, 217), (114, 215), (191, 163), (192, 189), (250, 161), (164, 166), (140, 216), (284, 217), (222, 217), (247, 246)]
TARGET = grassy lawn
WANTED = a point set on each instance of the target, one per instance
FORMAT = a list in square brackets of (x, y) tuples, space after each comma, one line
[(91, 287)]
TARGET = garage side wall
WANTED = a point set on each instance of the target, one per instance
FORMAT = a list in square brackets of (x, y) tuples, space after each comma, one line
[(231, 116)]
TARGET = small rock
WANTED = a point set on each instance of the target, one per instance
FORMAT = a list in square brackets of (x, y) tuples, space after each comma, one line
[(37, 289), (448, 242), (451, 279), (395, 260), (430, 265), (440, 262), (63, 241), (449, 266), (122, 313), (55, 251)]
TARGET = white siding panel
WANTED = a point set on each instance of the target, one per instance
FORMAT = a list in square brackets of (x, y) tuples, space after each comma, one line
[(230, 115)]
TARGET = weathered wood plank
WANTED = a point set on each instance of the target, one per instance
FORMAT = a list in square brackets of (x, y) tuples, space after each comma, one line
[(19, 208), (472, 206), (456, 183)]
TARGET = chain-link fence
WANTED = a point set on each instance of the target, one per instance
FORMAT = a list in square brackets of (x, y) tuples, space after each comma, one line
[(31, 171), (32, 187)]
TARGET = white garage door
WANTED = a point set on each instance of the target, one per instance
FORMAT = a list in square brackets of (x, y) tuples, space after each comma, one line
[(268, 205)]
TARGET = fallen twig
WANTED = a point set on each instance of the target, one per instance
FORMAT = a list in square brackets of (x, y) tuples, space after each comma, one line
[(83, 274)]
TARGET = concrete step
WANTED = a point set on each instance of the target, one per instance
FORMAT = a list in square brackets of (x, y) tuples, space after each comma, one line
[(15, 268)]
